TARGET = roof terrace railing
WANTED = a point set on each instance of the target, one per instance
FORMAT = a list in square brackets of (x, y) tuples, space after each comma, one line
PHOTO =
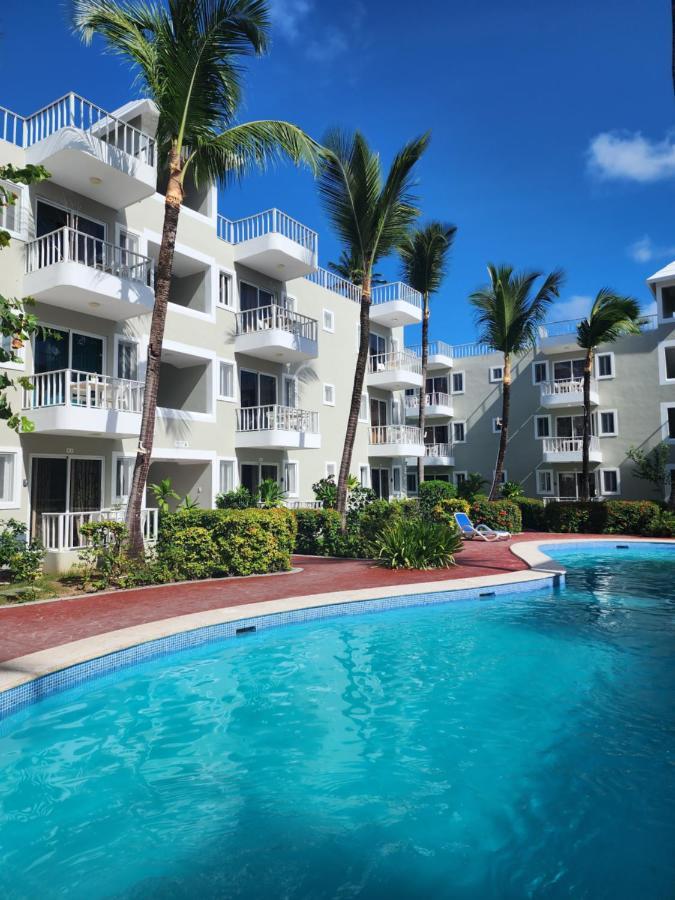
[(569, 326), (335, 283), (271, 221), (396, 290)]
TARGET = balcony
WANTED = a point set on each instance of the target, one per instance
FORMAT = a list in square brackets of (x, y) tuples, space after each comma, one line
[(76, 271), (439, 455), (437, 406), (277, 428), (394, 371), (569, 450), (561, 337), (439, 355), (277, 334), (395, 304), (62, 530), (272, 243), (566, 392), (84, 403), (86, 150), (395, 441)]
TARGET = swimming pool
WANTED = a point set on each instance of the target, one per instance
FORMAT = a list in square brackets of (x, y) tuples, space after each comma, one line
[(518, 745)]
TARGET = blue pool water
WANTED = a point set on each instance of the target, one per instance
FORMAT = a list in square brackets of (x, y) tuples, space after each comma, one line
[(508, 747)]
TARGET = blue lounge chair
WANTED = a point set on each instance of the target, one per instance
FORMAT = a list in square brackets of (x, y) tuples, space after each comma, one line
[(471, 531)]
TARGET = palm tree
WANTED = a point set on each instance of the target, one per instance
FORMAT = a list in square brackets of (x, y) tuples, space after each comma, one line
[(371, 215), (348, 268), (611, 316), (424, 255), (186, 56), (508, 316)]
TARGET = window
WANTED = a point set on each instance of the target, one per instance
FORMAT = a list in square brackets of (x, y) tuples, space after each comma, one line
[(363, 409), (496, 425), (411, 481), (605, 365), (669, 362), (609, 481), (225, 297), (396, 480), (542, 426), (544, 481), (290, 397), (10, 214), (127, 359), (539, 372), (458, 382), (459, 432), (8, 473), (331, 470), (124, 470), (252, 297), (670, 423), (225, 476), (608, 423), (496, 373), (567, 369), (225, 380), (328, 320), (329, 394), (460, 477), (504, 477), (364, 476), (668, 302), (291, 479)]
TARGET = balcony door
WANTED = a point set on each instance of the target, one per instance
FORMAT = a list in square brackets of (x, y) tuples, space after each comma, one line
[(437, 385), (436, 434), (379, 479), (570, 426), (569, 485), (565, 369), (251, 475), (69, 350), (62, 484), (50, 217), (377, 345), (257, 389)]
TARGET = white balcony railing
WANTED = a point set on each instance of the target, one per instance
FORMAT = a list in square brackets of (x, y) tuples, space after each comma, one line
[(438, 451), (398, 359), (335, 283), (396, 290), (461, 351), (303, 504), (565, 386), (62, 530), (83, 390), (568, 444), (268, 222), (69, 245), (412, 401), (569, 326), (436, 348), (73, 111), (395, 434), (266, 318), (277, 418)]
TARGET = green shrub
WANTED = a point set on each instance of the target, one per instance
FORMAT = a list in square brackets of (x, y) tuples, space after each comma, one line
[(239, 499), (418, 544), (573, 518), (372, 521), (270, 494), (444, 512), (533, 513), (22, 560), (191, 555), (318, 532), (665, 527), (104, 559), (625, 517), (325, 491), (430, 494), (471, 488), (245, 541), (511, 490), (502, 515)]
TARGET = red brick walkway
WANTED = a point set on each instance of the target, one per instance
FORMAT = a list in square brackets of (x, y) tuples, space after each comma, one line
[(25, 629)]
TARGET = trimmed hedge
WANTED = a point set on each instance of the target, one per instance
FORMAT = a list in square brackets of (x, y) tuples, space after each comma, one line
[(502, 515), (431, 493), (208, 543), (533, 513), (568, 517), (318, 532), (641, 517), (443, 512)]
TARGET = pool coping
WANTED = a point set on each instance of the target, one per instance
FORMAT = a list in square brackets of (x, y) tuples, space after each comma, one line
[(28, 678)]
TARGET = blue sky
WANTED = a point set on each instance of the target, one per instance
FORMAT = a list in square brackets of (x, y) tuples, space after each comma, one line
[(553, 135)]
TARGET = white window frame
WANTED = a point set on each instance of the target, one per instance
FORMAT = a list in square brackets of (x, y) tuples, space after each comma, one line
[(601, 479), (452, 382), (549, 473), (140, 362), (663, 319), (539, 437), (331, 315), (235, 473), (664, 422), (332, 388), (539, 362), (662, 347), (460, 476), (494, 380), (599, 415), (455, 422), (231, 276), (497, 425), (600, 377), (20, 207), (225, 397), (394, 471), (285, 379), (334, 473), (408, 474), (505, 476), (295, 465), (116, 459), (70, 330), (364, 468), (14, 502), (366, 418)]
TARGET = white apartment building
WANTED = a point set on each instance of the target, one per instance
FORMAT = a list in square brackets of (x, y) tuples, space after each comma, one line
[(259, 352)]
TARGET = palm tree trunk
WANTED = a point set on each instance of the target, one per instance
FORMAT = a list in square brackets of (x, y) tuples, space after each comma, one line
[(357, 390), (172, 202), (503, 436), (423, 389), (586, 443)]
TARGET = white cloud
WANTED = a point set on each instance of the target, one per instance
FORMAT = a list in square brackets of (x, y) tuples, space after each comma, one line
[(332, 44), (644, 250), (577, 306), (632, 157), (288, 16)]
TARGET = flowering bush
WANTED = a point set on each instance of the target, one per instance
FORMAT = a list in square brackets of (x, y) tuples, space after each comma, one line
[(502, 515), (533, 512), (444, 511)]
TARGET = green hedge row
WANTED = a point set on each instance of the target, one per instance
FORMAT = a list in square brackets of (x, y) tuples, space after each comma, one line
[(502, 515), (210, 543), (640, 517)]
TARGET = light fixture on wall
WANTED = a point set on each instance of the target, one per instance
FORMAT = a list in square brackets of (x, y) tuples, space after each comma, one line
[(95, 180)]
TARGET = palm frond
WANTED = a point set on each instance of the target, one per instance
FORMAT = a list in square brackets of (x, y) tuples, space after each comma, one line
[(612, 316), (424, 255)]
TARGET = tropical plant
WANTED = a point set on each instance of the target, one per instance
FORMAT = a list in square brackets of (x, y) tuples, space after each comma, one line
[(653, 467), (424, 254), (104, 555), (186, 57), (348, 267), (241, 498), (371, 215), (163, 492), (270, 494), (418, 544), (189, 502), (325, 491), (472, 485), (511, 490), (508, 314), (611, 316), (20, 558)]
